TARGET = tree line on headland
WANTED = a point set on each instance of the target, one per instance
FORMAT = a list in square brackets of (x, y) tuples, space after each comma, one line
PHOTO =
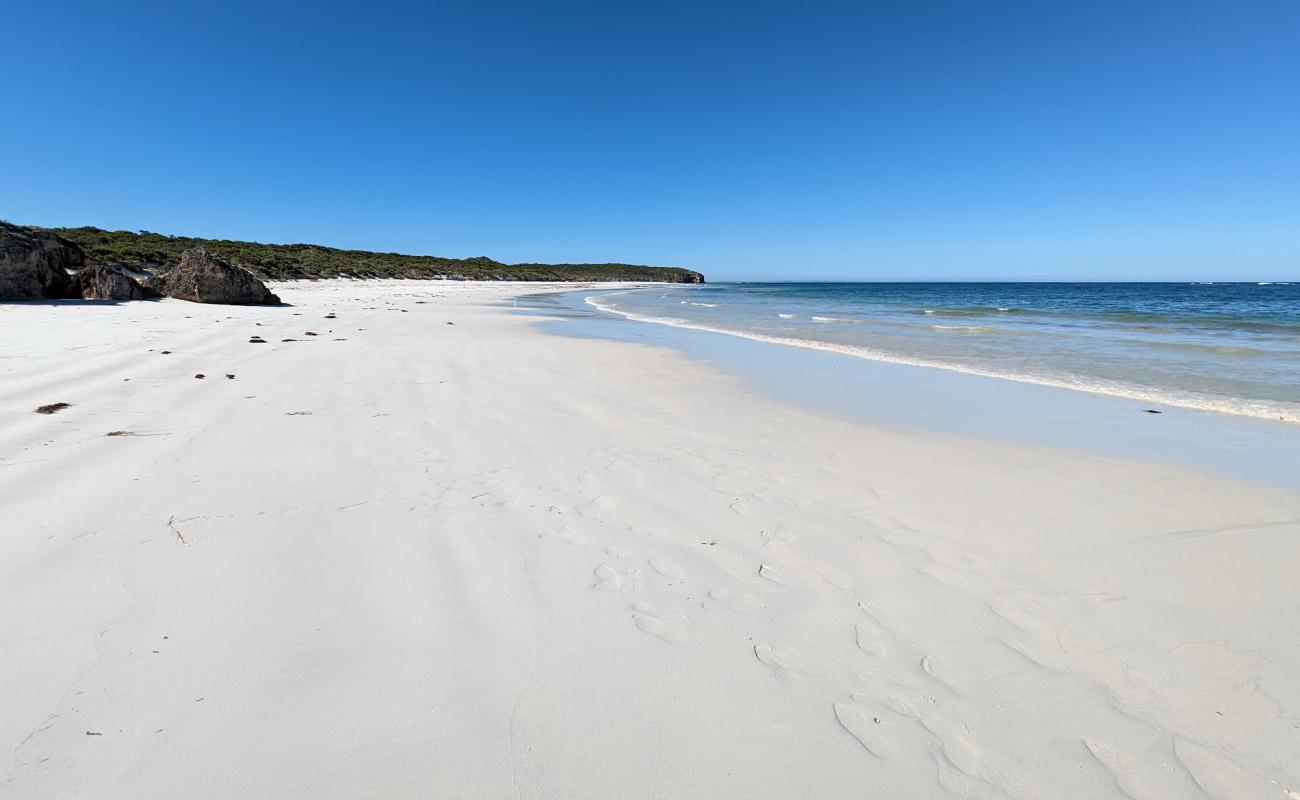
[(144, 250)]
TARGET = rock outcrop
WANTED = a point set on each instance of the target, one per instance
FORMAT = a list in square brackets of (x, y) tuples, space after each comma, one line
[(34, 263), (99, 282), (203, 277)]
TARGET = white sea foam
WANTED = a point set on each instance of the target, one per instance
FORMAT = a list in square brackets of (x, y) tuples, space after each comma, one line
[(965, 328), (1247, 408), (786, 316), (841, 320)]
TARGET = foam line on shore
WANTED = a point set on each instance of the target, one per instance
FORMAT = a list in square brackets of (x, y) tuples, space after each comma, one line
[(1255, 409)]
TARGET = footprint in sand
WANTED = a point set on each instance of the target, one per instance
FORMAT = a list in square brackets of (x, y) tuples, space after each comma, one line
[(651, 621), (1039, 653), (940, 676), (775, 538), (609, 579), (667, 568), (863, 729), (868, 639), (565, 533), (767, 573), (740, 602), (786, 664), (909, 700), (1140, 775), (834, 577), (955, 746), (952, 746), (594, 506), (741, 506)]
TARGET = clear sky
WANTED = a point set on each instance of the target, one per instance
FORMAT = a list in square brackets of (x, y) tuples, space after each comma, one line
[(964, 139)]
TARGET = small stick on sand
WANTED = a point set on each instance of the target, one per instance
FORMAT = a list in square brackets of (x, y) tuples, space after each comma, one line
[(180, 537)]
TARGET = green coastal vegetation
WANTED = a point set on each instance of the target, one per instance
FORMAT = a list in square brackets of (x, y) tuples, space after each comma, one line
[(146, 250)]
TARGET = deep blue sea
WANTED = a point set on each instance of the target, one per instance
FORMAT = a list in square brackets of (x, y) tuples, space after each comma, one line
[(1228, 347)]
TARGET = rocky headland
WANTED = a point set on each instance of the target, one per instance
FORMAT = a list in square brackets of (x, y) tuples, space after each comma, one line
[(94, 264)]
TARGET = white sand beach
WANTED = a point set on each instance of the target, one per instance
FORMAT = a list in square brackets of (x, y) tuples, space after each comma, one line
[(432, 551)]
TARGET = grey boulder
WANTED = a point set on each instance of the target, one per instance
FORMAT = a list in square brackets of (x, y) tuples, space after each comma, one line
[(34, 263), (100, 282), (203, 277)]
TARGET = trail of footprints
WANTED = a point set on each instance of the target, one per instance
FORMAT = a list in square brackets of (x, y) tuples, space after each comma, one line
[(906, 702), (876, 717)]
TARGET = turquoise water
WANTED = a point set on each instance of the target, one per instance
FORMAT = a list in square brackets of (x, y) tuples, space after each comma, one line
[(1226, 347)]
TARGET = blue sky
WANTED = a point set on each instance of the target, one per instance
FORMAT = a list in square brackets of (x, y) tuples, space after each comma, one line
[(928, 140)]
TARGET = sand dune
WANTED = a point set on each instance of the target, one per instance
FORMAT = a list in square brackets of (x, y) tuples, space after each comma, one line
[(402, 558)]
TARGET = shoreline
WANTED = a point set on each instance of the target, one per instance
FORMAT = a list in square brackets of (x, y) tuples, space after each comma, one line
[(921, 399), (403, 557), (1258, 410)]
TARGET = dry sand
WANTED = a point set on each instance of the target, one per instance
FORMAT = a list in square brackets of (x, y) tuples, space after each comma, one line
[(407, 559)]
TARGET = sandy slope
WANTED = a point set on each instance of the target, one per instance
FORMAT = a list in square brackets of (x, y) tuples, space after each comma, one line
[(411, 559)]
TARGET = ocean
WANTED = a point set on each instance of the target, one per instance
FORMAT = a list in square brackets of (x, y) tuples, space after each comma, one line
[(1227, 347)]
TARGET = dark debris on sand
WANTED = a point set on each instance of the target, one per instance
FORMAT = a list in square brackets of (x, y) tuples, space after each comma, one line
[(53, 407)]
